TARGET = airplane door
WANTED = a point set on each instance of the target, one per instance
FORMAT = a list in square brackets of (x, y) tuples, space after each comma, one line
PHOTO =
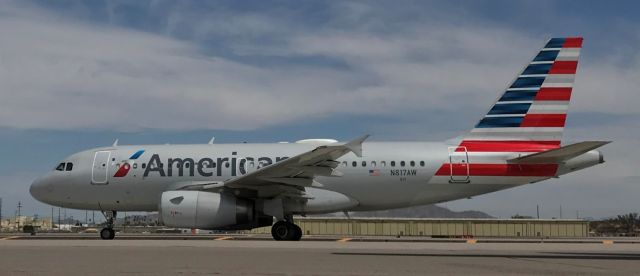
[(459, 165), (100, 169)]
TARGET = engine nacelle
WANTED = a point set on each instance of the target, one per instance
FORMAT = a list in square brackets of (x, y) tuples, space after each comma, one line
[(204, 210)]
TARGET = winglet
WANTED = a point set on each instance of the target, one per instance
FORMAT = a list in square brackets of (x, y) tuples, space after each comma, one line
[(211, 141), (356, 145), (115, 143)]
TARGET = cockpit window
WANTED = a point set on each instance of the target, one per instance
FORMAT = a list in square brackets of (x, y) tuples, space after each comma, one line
[(69, 166), (60, 167)]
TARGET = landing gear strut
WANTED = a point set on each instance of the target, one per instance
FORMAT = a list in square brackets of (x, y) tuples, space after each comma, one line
[(108, 233), (286, 230)]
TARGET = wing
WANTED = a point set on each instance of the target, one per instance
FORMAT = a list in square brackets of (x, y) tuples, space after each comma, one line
[(288, 177)]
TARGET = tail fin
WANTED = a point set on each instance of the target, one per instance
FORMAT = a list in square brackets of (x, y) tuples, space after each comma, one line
[(533, 109)]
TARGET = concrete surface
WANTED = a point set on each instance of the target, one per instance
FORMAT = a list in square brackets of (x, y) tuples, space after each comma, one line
[(154, 236), (242, 257)]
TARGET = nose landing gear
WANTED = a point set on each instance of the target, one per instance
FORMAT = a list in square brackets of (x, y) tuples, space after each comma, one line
[(108, 233)]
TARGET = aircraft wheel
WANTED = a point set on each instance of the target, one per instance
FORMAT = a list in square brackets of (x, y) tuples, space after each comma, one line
[(297, 232), (280, 231), (107, 234)]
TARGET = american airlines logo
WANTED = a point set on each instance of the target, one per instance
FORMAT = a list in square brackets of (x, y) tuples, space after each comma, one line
[(206, 166), (125, 167)]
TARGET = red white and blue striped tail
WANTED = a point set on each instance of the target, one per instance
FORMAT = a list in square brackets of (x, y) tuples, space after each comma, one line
[(532, 110)]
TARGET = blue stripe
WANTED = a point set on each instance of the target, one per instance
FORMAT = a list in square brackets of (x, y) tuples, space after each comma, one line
[(500, 122), (555, 43), (518, 108), (520, 95), (527, 82), (546, 56), (137, 154), (533, 69)]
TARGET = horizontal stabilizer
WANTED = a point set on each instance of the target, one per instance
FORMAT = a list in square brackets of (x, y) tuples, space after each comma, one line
[(559, 155)]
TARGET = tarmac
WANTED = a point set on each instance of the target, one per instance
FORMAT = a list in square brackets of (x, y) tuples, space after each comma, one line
[(233, 255)]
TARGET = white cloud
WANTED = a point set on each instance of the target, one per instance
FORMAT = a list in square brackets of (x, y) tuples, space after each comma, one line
[(64, 74)]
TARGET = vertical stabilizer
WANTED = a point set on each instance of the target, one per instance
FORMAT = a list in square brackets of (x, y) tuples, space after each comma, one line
[(533, 109)]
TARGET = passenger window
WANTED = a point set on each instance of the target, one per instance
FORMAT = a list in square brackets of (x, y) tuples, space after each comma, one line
[(354, 163), (393, 163), (364, 163), (401, 163), (383, 163), (60, 167), (226, 164), (373, 164), (421, 163), (412, 163), (135, 165), (144, 165)]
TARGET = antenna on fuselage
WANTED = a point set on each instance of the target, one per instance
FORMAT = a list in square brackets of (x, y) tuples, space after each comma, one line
[(211, 141), (115, 143)]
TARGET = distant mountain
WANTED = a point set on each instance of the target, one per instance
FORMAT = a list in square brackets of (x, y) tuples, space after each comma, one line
[(425, 211)]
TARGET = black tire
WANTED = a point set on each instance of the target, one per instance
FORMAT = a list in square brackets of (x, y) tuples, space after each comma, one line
[(297, 233), (280, 231), (107, 234)]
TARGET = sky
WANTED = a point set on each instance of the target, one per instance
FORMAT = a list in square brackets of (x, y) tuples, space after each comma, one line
[(80, 74)]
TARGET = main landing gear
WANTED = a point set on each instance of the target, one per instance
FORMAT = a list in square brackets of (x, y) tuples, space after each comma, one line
[(286, 230), (108, 233)]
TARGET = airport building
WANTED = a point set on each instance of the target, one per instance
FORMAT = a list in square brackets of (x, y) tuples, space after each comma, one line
[(16, 223), (428, 227)]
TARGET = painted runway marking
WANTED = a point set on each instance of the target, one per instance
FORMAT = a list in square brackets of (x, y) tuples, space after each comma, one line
[(344, 240), (222, 238), (607, 242), (472, 241)]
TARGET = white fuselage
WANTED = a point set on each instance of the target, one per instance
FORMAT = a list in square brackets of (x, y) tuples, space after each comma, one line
[(388, 175)]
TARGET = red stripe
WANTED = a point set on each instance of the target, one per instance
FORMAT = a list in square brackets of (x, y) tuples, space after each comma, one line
[(564, 67), (572, 42), (554, 94), (508, 146), (544, 120), (499, 169)]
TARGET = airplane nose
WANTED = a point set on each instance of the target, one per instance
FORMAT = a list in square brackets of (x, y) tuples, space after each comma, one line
[(38, 189)]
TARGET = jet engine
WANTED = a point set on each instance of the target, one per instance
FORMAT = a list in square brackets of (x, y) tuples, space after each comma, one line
[(205, 210)]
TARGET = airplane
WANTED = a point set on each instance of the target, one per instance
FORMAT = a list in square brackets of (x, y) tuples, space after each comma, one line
[(248, 185)]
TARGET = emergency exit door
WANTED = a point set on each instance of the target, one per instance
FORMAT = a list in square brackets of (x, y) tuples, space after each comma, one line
[(459, 165)]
